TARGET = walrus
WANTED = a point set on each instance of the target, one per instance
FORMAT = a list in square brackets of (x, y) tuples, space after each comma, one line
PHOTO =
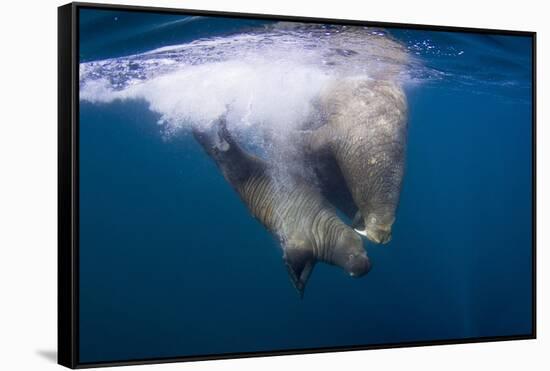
[(364, 134), (307, 227)]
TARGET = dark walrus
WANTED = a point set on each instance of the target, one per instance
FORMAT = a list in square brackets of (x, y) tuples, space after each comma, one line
[(307, 227)]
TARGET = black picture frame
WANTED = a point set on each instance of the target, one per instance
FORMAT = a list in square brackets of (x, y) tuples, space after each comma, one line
[(68, 186)]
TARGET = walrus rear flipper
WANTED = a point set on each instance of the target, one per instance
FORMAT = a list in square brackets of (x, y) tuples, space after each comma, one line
[(235, 164), (215, 139)]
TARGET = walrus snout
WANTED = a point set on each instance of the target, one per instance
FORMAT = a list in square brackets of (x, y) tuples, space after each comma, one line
[(379, 234), (358, 265), (350, 255), (377, 229)]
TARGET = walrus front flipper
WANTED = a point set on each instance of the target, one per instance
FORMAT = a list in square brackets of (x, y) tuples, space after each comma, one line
[(299, 260), (332, 184), (301, 281)]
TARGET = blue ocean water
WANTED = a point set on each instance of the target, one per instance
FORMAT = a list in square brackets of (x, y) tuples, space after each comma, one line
[(172, 263)]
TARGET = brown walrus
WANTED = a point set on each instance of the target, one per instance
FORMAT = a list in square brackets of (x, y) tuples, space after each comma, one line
[(364, 134)]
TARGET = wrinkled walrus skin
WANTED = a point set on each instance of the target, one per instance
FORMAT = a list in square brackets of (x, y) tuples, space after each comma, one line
[(305, 224), (366, 133)]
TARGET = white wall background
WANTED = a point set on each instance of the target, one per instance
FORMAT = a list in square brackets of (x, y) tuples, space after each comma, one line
[(28, 181)]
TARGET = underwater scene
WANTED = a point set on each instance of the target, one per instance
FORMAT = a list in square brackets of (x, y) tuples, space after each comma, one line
[(254, 185)]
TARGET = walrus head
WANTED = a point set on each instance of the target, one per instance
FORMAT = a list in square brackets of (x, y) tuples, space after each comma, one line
[(350, 255)]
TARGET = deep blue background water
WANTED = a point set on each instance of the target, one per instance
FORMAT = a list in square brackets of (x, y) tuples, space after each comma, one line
[(172, 264)]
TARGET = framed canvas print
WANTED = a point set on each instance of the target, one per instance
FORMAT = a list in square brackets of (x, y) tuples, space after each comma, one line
[(235, 185)]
